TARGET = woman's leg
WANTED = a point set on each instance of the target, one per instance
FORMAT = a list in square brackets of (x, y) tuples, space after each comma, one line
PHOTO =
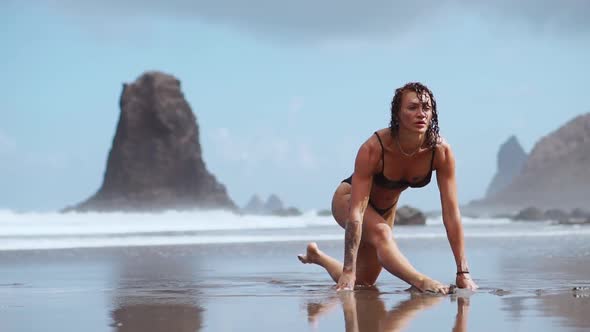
[(368, 266), (315, 256), (377, 232), (377, 249), (367, 270)]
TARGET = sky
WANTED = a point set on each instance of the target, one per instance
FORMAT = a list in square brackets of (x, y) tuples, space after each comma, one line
[(284, 92)]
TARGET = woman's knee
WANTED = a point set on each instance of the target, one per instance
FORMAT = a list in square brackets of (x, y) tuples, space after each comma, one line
[(380, 233)]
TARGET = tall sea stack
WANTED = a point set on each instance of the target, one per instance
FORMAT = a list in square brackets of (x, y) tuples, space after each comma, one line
[(556, 174), (155, 162), (511, 159)]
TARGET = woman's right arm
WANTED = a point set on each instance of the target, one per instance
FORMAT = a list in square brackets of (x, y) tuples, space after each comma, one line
[(361, 189)]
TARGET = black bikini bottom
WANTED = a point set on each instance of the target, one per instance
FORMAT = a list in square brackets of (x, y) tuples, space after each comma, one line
[(381, 212)]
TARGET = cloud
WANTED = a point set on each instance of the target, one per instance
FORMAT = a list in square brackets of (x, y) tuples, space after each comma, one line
[(295, 20), (295, 104), (545, 15), (329, 20), (230, 148), (305, 156), (7, 144), (15, 158), (293, 110), (254, 152)]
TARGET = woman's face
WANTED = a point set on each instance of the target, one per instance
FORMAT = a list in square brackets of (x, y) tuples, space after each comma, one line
[(415, 112)]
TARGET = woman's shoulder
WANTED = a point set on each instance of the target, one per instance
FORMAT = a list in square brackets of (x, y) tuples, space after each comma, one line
[(377, 139), (370, 151), (442, 144), (444, 152)]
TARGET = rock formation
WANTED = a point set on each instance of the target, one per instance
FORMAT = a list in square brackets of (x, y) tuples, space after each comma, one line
[(255, 206), (511, 159), (155, 161), (407, 215), (530, 214), (556, 173), (273, 206), (273, 203), (575, 217)]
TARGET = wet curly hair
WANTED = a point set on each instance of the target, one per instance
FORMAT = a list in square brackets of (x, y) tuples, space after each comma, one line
[(432, 133)]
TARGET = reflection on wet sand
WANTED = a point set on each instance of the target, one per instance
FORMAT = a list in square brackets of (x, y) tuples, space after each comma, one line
[(569, 305), (462, 313), (365, 311), (157, 317), (156, 293), (552, 276)]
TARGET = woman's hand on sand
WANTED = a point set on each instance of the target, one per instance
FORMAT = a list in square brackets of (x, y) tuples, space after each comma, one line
[(346, 281), (432, 286), (464, 281)]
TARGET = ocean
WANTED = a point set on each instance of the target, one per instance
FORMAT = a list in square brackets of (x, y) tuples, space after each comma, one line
[(28, 231)]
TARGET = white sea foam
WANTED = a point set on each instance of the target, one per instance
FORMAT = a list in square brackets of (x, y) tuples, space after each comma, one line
[(472, 221), (15, 224), (27, 231)]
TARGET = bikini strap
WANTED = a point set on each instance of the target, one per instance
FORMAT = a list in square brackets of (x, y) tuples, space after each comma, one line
[(432, 159), (382, 152)]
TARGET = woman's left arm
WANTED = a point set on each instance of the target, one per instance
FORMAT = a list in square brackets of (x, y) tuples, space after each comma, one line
[(445, 176)]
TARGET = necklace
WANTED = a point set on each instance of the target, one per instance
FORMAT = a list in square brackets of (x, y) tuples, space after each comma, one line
[(404, 152)]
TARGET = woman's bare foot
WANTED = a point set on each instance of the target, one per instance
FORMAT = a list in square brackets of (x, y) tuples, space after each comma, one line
[(312, 254)]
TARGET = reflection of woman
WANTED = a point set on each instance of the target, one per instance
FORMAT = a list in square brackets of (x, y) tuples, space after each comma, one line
[(462, 313), (393, 159), (365, 311), (357, 316)]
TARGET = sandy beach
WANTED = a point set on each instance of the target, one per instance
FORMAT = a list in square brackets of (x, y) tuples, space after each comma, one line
[(534, 283)]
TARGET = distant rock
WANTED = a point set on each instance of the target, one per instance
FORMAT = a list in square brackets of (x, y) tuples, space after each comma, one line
[(156, 162), (580, 213), (511, 158), (407, 215), (556, 173), (500, 216), (273, 203), (273, 206), (575, 217), (255, 206), (324, 213), (530, 214), (556, 215)]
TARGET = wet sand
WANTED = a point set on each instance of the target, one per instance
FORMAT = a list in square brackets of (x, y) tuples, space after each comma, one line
[(526, 284)]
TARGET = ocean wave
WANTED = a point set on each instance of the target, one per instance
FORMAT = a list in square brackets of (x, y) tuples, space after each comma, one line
[(472, 221), (53, 223), (27, 231), (133, 240)]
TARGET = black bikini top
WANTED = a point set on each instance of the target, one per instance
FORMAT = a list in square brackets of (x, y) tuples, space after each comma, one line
[(382, 181)]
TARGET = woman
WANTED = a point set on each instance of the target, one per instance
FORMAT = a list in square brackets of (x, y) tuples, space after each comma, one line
[(393, 159)]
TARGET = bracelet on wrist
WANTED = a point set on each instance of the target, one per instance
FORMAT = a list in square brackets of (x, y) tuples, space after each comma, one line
[(462, 272)]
